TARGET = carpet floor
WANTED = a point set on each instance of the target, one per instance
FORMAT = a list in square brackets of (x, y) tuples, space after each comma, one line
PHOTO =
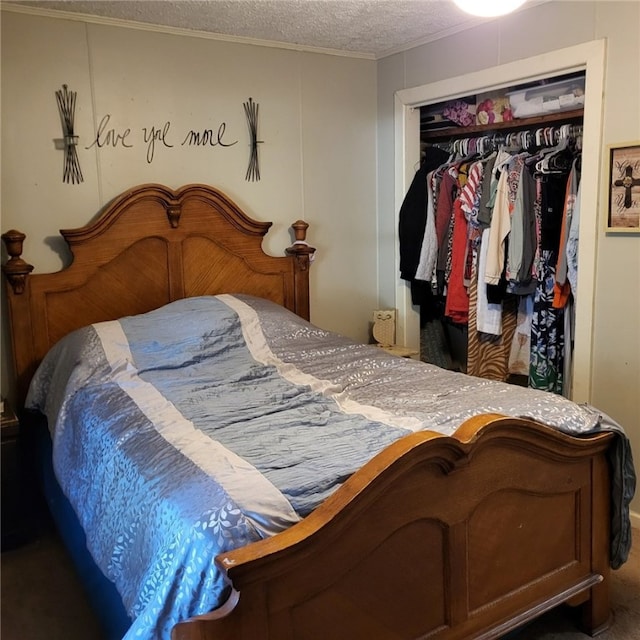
[(42, 599)]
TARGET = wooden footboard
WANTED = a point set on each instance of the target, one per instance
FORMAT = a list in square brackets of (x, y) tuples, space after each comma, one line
[(436, 537)]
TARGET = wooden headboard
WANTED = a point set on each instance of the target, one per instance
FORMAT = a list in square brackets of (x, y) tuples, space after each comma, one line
[(150, 246)]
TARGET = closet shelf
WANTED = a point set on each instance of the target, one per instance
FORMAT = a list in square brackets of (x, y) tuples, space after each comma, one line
[(447, 133)]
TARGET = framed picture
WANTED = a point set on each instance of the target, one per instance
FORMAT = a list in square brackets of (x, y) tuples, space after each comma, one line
[(624, 187)]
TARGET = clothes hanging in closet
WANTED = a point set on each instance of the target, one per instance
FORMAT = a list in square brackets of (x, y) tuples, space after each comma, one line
[(499, 246), (412, 221)]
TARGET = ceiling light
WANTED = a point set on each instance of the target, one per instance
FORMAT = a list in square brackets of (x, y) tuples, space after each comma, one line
[(489, 8)]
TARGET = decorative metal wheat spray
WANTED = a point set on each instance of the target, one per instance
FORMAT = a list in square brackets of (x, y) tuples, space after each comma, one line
[(67, 106), (251, 111)]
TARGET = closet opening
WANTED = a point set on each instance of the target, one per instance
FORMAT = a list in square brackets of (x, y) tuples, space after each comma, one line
[(488, 239), (586, 61)]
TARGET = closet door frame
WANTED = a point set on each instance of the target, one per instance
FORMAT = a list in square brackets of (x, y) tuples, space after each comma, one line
[(589, 57)]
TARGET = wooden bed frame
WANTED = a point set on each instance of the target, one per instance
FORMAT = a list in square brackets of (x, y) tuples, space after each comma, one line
[(458, 537)]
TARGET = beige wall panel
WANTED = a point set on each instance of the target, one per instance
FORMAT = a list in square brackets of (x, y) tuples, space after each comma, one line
[(148, 81), (339, 154), (38, 57), (548, 27), (616, 344), (461, 53)]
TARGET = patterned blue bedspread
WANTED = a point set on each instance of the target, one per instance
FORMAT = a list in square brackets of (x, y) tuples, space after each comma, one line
[(217, 421)]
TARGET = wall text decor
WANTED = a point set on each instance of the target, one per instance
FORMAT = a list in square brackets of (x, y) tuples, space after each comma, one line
[(155, 137)]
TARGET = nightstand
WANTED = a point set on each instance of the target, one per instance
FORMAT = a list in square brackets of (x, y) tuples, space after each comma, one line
[(12, 509)]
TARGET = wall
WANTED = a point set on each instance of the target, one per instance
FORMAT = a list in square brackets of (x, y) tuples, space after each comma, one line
[(616, 340), (317, 161)]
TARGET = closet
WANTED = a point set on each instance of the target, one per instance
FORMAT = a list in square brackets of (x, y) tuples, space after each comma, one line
[(488, 232)]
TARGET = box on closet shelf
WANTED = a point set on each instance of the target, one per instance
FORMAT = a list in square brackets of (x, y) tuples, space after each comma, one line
[(493, 107), (563, 95), (460, 112)]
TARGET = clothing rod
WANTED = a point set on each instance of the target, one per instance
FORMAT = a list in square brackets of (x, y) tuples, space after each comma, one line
[(524, 138)]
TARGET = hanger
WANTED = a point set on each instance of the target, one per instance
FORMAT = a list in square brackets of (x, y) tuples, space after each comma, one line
[(553, 160)]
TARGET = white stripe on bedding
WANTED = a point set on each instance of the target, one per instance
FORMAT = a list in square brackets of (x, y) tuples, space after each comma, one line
[(266, 507), (257, 344)]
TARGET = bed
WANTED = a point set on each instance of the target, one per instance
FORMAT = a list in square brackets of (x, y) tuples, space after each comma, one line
[(341, 498)]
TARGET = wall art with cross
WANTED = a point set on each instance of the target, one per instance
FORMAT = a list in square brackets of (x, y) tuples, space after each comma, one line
[(624, 187)]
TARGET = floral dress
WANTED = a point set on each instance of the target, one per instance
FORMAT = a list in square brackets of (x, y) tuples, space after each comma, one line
[(547, 323)]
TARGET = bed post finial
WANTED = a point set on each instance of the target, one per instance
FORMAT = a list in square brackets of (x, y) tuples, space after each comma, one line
[(300, 248), (300, 230), (302, 254), (15, 269)]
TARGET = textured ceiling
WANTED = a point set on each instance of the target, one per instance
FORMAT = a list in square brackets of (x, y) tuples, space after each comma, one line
[(362, 27)]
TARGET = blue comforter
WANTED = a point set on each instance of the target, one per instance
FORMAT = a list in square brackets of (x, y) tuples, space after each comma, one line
[(217, 421)]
